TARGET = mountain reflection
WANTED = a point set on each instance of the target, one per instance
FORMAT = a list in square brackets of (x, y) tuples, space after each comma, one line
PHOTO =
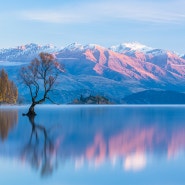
[(120, 136), (137, 142), (8, 119), (130, 137), (130, 145)]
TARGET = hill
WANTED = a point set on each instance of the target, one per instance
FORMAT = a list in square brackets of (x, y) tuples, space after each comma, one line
[(155, 97)]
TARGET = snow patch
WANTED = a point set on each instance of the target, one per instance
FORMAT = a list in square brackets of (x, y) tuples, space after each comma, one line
[(74, 46), (131, 46)]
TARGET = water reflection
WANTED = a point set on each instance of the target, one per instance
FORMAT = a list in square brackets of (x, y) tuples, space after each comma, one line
[(40, 151), (133, 145), (127, 137), (8, 119)]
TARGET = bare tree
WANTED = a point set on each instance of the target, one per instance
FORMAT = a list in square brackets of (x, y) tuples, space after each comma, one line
[(40, 77)]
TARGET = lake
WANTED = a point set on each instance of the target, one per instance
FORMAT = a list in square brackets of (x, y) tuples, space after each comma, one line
[(94, 145)]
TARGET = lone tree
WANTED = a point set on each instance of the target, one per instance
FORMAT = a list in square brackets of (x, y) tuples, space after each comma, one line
[(40, 77)]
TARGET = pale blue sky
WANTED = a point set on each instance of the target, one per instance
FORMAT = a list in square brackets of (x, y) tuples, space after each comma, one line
[(157, 23)]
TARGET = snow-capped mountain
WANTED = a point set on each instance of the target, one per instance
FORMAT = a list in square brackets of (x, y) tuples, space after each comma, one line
[(76, 47), (142, 65), (25, 52), (131, 47), (166, 60), (112, 72)]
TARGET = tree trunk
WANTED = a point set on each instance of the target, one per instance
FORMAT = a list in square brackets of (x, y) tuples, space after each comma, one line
[(31, 111)]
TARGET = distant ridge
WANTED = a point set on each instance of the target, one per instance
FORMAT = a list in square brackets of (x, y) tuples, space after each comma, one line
[(155, 97), (25, 52)]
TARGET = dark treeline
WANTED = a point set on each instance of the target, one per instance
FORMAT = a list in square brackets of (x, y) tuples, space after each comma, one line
[(8, 90)]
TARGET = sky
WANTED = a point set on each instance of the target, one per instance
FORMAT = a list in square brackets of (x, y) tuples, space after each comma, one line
[(155, 23)]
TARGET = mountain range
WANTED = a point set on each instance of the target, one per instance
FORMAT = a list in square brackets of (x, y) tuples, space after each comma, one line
[(113, 72)]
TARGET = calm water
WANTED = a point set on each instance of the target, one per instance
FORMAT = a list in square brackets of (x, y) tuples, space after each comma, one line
[(94, 145)]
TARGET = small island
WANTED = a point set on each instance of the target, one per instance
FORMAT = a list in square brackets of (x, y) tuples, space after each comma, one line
[(91, 100)]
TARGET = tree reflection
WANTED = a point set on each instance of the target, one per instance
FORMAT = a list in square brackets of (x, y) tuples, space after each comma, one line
[(40, 150), (8, 119)]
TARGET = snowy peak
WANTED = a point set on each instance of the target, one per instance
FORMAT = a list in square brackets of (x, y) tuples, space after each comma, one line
[(74, 47), (28, 46), (35, 47), (79, 47), (25, 52), (131, 47), (135, 45)]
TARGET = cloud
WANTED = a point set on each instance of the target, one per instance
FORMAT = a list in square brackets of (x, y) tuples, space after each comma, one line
[(49, 16), (143, 11)]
